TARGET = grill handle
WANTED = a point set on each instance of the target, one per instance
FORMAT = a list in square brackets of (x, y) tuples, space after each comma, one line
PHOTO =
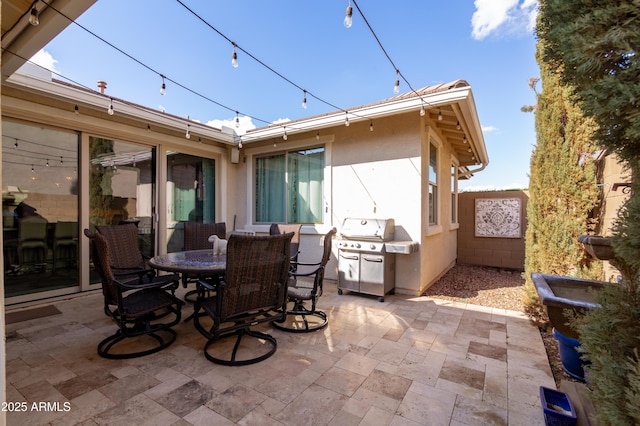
[(372, 259), (349, 257)]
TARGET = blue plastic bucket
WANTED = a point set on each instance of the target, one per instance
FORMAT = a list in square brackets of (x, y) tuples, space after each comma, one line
[(570, 357)]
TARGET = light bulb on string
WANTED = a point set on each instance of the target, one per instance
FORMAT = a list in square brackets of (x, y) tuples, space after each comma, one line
[(346, 119), (275, 145), (422, 112), (240, 143), (149, 128), (76, 110), (304, 100), (458, 125), (47, 164), (110, 111), (371, 126), (32, 169), (318, 136), (61, 161), (237, 120), (234, 57), (15, 145), (284, 135), (188, 134), (33, 17), (439, 115), (163, 86), (348, 16), (396, 85)]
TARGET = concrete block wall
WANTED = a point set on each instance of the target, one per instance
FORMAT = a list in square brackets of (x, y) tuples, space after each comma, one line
[(507, 253)]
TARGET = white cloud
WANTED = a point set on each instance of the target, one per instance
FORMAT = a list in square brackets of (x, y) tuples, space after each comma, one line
[(244, 124), (507, 16), (45, 60), (489, 129), (281, 120)]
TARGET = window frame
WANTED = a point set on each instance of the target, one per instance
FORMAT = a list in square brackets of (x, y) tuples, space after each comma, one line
[(322, 143), (455, 219)]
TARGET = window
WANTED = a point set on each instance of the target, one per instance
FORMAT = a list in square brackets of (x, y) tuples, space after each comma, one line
[(454, 193), (433, 184), (289, 187)]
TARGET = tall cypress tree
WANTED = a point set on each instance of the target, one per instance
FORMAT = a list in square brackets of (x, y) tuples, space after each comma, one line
[(563, 191), (596, 44)]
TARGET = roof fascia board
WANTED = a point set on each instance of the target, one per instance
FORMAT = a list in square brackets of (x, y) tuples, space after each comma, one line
[(367, 112), (101, 101)]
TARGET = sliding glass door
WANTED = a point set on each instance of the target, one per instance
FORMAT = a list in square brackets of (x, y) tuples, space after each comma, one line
[(39, 209)]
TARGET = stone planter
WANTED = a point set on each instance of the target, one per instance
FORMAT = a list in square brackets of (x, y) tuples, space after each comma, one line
[(558, 293), (597, 246)]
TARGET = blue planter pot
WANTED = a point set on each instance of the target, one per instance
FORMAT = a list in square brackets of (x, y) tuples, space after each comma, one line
[(572, 364)]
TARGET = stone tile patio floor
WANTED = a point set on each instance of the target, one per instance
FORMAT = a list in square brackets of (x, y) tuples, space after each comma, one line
[(407, 361)]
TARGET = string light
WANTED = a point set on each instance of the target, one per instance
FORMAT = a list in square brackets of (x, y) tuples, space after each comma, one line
[(371, 126), (458, 125), (237, 120), (396, 85), (33, 17), (284, 135), (61, 160), (464, 139), (47, 164), (188, 134), (149, 128), (15, 145), (240, 143), (439, 115), (318, 135), (348, 16), (234, 56), (76, 110), (346, 119), (422, 112), (110, 111), (32, 169), (304, 100), (163, 86)]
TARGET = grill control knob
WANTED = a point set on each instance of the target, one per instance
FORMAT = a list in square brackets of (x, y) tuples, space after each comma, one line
[(372, 246), (357, 245)]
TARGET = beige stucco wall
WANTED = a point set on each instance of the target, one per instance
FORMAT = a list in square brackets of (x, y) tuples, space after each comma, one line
[(379, 174)]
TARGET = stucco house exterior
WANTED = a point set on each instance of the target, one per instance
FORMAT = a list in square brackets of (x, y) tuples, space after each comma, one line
[(68, 159)]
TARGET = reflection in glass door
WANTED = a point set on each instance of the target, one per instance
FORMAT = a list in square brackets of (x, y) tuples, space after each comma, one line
[(190, 195), (122, 188), (39, 209)]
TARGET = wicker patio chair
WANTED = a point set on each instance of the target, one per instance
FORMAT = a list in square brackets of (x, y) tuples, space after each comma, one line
[(280, 228), (301, 319), (127, 261), (253, 292), (141, 307), (196, 237)]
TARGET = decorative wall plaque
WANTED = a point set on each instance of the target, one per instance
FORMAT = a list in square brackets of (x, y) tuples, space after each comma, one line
[(498, 217)]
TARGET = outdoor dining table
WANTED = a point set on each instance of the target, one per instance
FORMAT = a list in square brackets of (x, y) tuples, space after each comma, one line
[(201, 263)]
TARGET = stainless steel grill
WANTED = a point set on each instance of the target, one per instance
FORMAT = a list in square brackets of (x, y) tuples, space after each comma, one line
[(366, 256)]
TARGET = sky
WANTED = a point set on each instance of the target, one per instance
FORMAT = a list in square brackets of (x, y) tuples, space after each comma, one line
[(285, 46)]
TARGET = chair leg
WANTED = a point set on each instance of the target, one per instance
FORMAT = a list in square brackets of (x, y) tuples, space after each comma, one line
[(233, 361), (297, 319), (162, 342)]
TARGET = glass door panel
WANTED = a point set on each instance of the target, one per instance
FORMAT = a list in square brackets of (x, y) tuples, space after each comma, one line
[(39, 209), (190, 195), (122, 188)]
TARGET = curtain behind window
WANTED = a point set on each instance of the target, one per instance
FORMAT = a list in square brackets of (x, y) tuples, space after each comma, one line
[(306, 173), (270, 189)]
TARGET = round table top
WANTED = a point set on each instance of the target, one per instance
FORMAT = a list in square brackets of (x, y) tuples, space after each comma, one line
[(192, 262)]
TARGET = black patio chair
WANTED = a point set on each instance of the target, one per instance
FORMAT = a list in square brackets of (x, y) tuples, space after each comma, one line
[(301, 289), (196, 237), (127, 261), (281, 228), (140, 305), (253, 292)]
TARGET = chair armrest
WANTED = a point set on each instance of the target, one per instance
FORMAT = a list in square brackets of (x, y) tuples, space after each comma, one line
[(306, 274), (157, 283), (205, 285)]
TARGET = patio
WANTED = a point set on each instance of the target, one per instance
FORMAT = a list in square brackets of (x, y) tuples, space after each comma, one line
[(407, 361)]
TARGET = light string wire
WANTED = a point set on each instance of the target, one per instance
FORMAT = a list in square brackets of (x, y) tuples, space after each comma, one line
[(395, 68), (162, 75)]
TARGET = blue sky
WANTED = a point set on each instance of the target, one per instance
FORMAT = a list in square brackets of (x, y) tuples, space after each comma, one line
[(489, 43)]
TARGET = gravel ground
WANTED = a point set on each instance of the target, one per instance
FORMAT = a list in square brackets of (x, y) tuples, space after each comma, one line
[(495, 288)]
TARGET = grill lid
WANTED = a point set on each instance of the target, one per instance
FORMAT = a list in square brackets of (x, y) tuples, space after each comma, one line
[(368, 229)]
